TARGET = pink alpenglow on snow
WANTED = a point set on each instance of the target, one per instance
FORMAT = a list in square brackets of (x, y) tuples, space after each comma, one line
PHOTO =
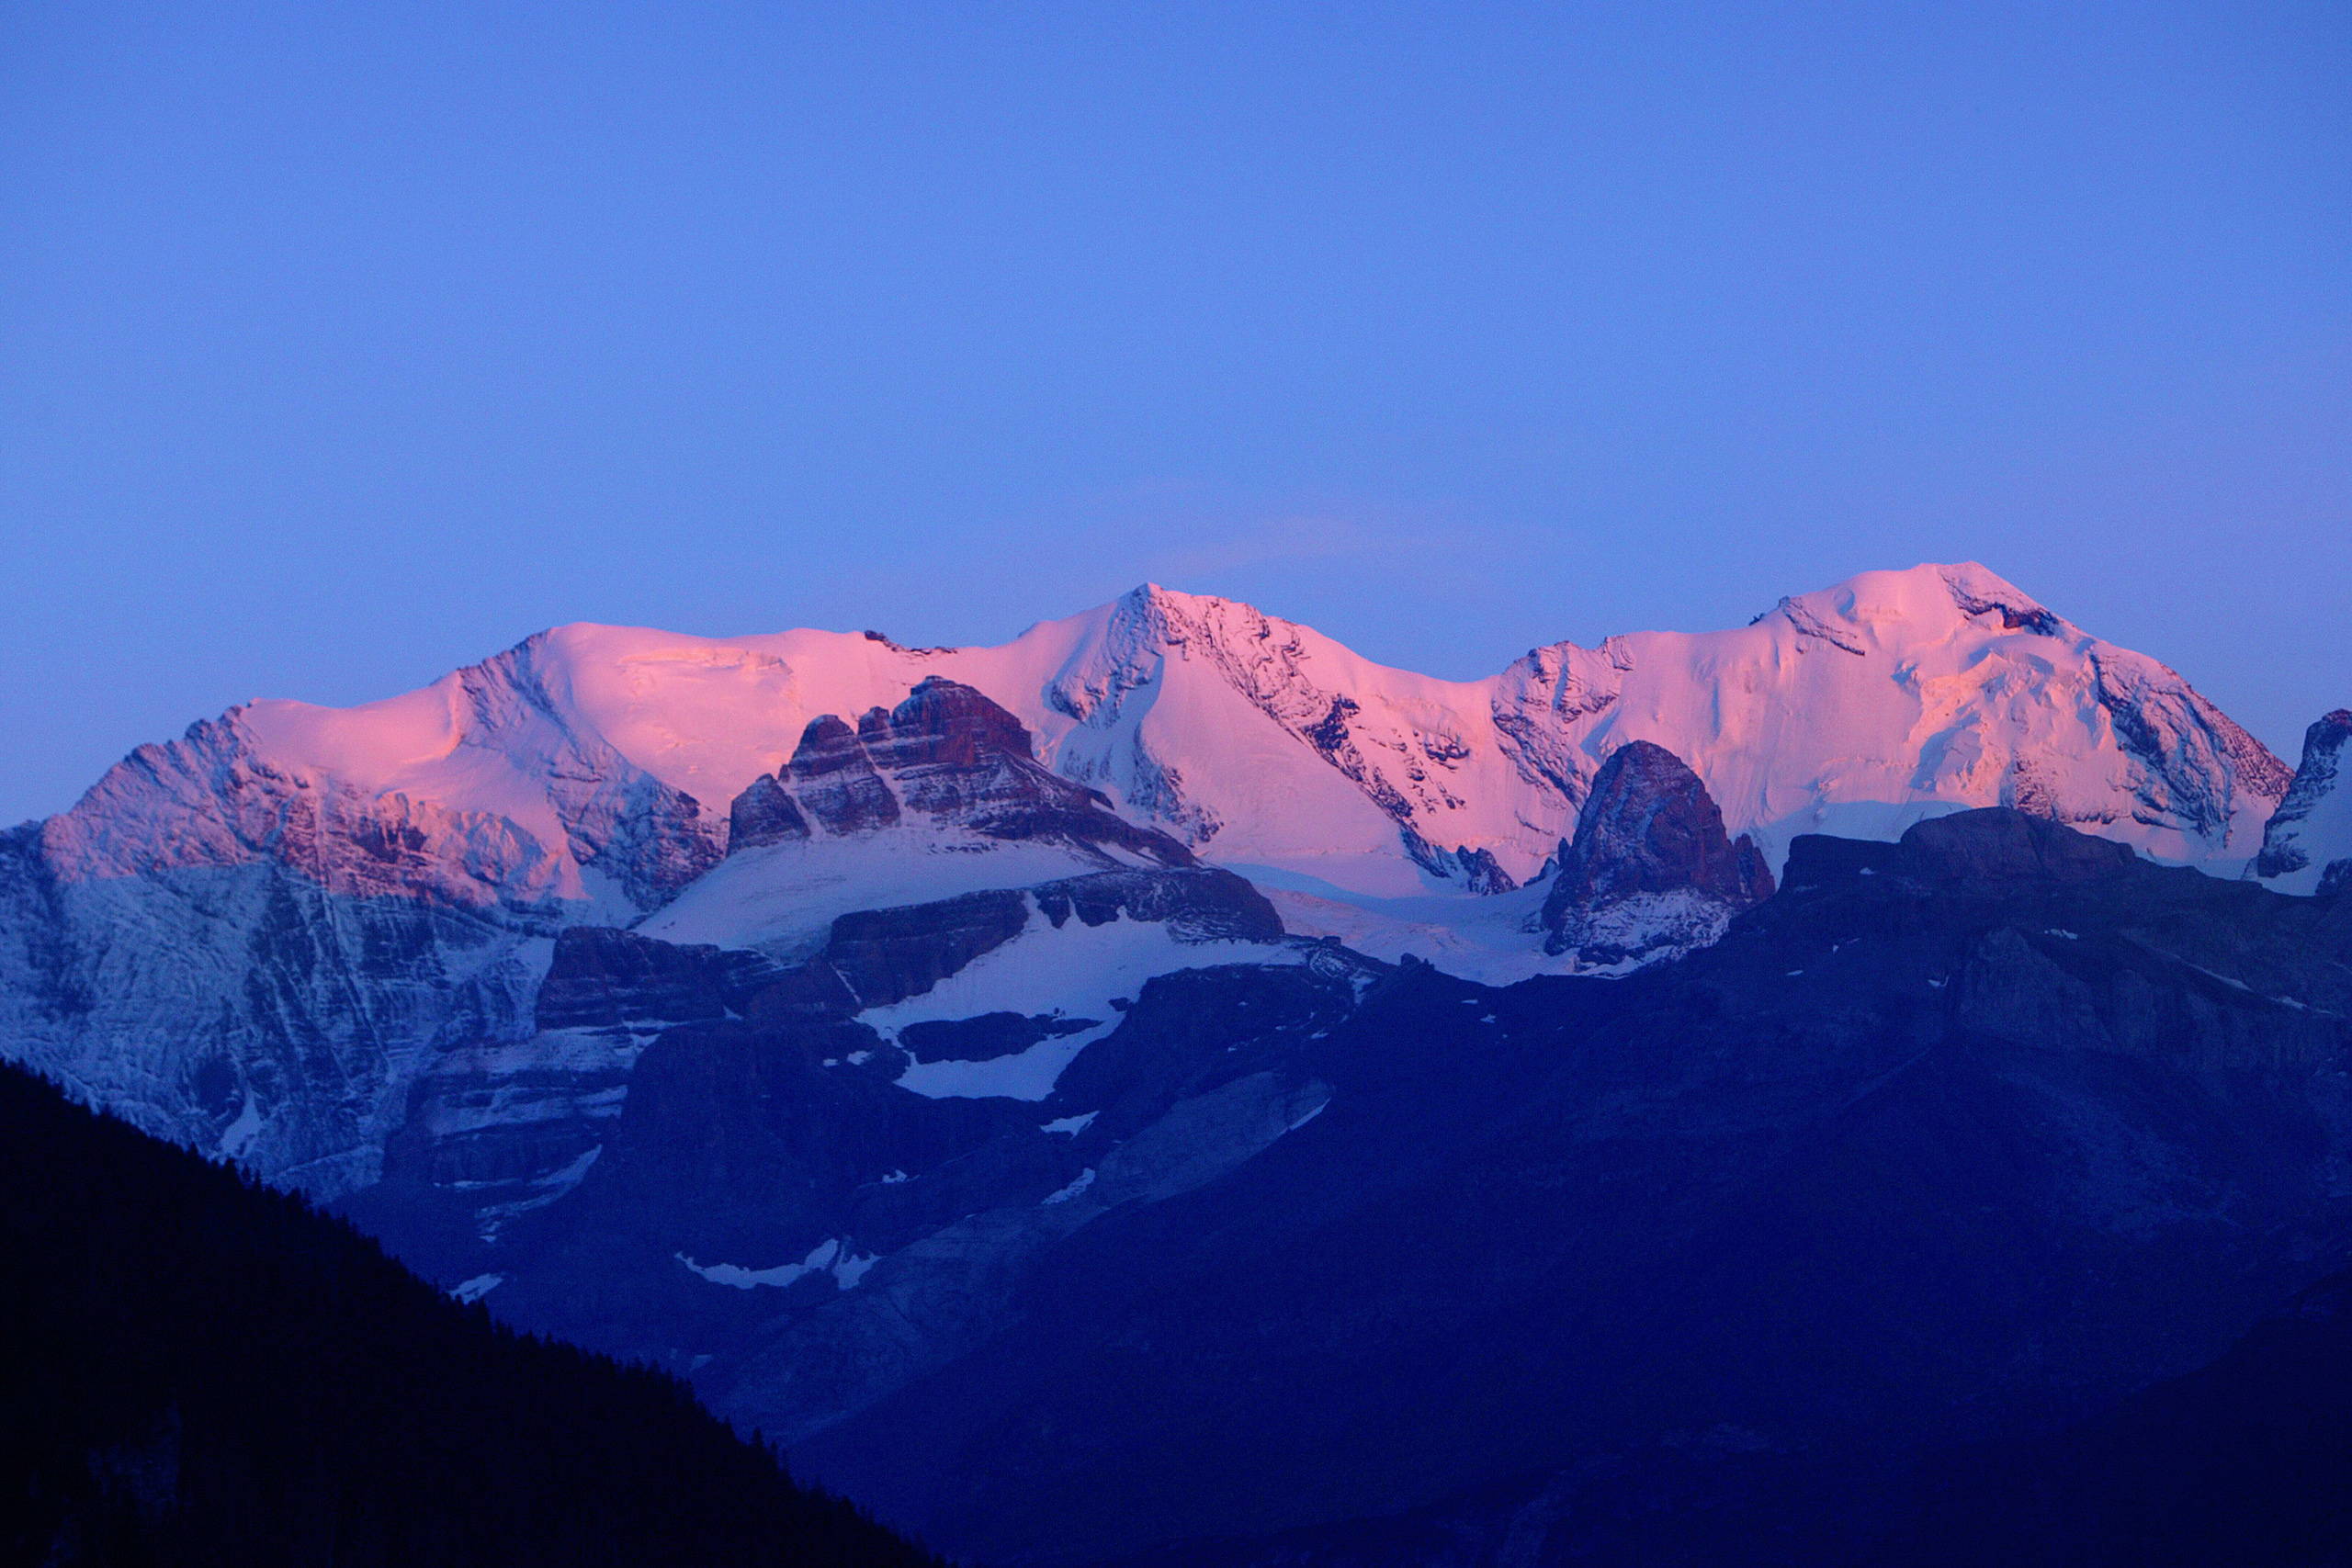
[(600, 763)]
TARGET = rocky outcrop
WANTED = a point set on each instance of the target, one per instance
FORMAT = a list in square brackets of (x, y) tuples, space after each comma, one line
[(986, 1037), (1206, 905), (1971, 851), (942, 736), (1651, 873), (947, 755), (888, 955), (832, 776), (764, 813), (2307, 848)]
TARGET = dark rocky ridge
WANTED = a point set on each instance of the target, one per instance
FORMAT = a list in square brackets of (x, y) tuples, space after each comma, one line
[(987, 1037), (947, 753), (1648, 831), (764, 1137), (888, 955), (2249, 1460), (764, 813), (1959, 1137), (602, 977), (836, 780)]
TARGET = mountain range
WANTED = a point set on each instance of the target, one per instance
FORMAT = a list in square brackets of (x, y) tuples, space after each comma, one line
[(1168, 1080)]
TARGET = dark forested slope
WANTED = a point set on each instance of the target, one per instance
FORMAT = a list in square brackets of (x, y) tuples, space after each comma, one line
[(196, 1370)]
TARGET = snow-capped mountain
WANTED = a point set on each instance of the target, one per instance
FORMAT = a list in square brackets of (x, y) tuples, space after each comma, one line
[(598, 758), (2308, 846), (266, 937)]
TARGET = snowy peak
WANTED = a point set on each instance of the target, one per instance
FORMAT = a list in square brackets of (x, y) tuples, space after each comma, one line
[(391, 878), (601, 769), (2307, 847), (1263, 742), (476, 790), (1888, 609), (1899, 696)]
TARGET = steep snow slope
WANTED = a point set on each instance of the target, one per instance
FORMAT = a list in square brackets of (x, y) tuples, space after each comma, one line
[(1863, 708)]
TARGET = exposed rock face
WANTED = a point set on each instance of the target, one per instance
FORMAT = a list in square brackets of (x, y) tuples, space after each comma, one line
[(604, 977), (773, 1138), (498, 1128), (1207, 906), (245, 1009), (888, 955), (986, 1037), (764, 813), (2307, 848), (948, 754), (836, 781), (254, 953), (515, 1121), (945, 731), (1651, 874), (1972, 850)]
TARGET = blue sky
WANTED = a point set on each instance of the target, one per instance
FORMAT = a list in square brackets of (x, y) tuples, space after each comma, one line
[(347, 344)]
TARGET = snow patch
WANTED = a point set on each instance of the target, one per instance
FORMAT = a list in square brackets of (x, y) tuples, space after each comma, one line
[(833, 1257), (1077, 971), (1496, 940), (1025, 1075), (742, 1279), (239, 1135), (473, 1290), (1085, 1180), (784, 898)]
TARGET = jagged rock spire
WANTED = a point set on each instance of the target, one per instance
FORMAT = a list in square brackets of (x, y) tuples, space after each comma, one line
[(1651, 873)]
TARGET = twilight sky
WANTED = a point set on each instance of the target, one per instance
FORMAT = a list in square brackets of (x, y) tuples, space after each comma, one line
[(342, 345)]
